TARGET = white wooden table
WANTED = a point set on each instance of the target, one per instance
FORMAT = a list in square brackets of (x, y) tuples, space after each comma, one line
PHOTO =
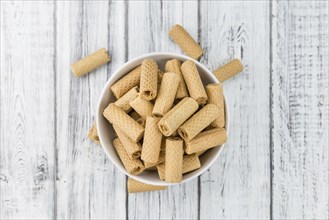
[(275, 164)]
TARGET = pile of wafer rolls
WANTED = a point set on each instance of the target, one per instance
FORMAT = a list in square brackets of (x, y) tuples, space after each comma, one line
[(165, 120)]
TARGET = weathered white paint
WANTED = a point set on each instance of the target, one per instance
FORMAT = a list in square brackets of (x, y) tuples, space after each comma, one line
[(27, 110), (300, 88)]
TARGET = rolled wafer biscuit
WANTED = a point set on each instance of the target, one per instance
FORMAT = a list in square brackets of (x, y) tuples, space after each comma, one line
[(228, 70), (166, 95), (137, 118), (124, 122), (132, 165), (123, 85), (177, 116), (193, 82), (184, 40), (174, 160), (152, 141), (174, 66), (162, 156), (198, 122), (132, 148), (216, 97), (135, 186), (93, 135), (90, 63), (149, 79), (124, 101), (190, 163), (142, 107), (205, 140)]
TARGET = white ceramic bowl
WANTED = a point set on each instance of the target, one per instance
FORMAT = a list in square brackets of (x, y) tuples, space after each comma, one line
[(106, 132)]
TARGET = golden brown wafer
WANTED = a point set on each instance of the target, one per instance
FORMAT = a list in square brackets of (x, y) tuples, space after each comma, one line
[(198, 122), (174, 160), (162, 156), (216, 97), (142, 107), (132, 148), (137, 118), (124, 101), (149, 79), (135, 186), (166, 95), (93, 135), (193, 82), (124, 122), (152, 141), (184, 40), (174, 66), (132, 165), (228, 70), (123, 85), (90, 63), (205, 140), (177, 116)]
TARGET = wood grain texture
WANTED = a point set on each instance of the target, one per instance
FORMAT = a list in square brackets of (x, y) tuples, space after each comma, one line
[(27, 110), (300, 109), (237, 186), (148, 24), (88, 185)]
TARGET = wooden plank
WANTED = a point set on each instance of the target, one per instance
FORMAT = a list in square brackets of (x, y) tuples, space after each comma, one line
[(88, 184), (27, 110), (148, 27), (300, 88), (237, 186)]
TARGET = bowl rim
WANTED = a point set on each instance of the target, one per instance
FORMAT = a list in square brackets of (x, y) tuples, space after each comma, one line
[(106, 88)]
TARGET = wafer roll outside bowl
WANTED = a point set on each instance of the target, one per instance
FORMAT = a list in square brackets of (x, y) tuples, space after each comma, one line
[(184, 40), (171, 121), (205, 140), (193, 82), (135, 186), (124, 101), (142, 107), (90, 63), (149, 79), (127, 82), (216, 97), (132, 148), (167, 94), (174, 66), (174, 160), (228, 70), (132, 165), (152, 141), (124, 122), (198, 122)]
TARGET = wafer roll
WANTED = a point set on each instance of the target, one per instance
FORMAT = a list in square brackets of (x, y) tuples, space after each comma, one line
[(149, 79), (216, 97), (205, 140), (132, 165), (124, 122), (162, 156), (167, 94), (152, 141), (174, 67), (93, 135), (90, 63), (228, 70), (142, 107), (174, 160), (177, 116), (127, 82), (190, 163), (137, 118), (198, 122), (132, 148), (193, 82), (124, 101), (135, 186), (184, 40)]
